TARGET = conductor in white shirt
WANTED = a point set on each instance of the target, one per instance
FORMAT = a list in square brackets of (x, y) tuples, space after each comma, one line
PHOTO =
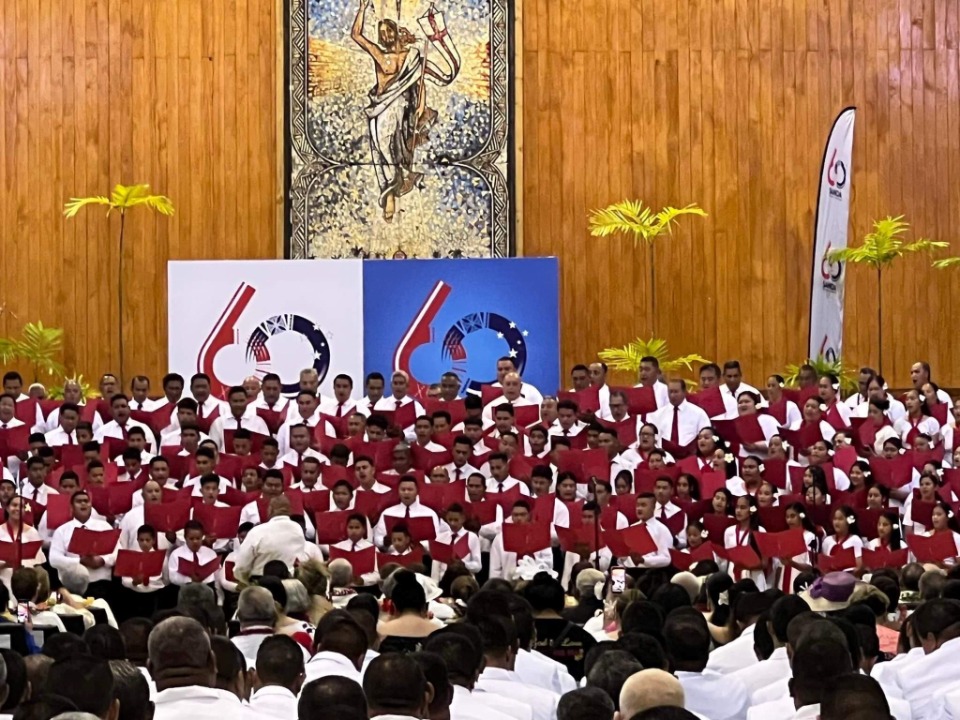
[(278, 679)]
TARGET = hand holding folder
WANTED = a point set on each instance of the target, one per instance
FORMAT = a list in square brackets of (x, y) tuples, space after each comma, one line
[(93, 543), (139, 565)]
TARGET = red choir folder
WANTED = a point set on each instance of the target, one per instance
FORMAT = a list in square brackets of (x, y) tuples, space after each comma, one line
[(742, 556), (627, 504), (220, 522), (317, 501), (574, 511), (157, 419), (640, 400), (371, 504), (838, 561), (844, 457), (48, 406), (520, 468), (613, 541), (256, 441), (92, 542), (205, 422), (114, 499), (894, 473), (680, 451), (114, 446), (715, 525), (920, 458), (786, 544), (420, 528), (951, 479), (136, 564), (228, 572), (683, 561), (414, 557), (578, 539), (13, 553), (439, 497), (168, 516), (489, 393), (192, 569), (710, 482), (362, 561), (69, 455), (483, 512), (26, 411), (884, 558), (801, 395), (932, 548), (808, 434), (445, 438), (506, 499), (638, 539), (94, 407), (773, 519), (445, 552), (939, 413), (922, 512), (58, 511), (273, 418), (456, 408), (332, 526), (427, 460), (587, 400), (525, 415), (330, 475), (710, 401), (339, 425), (402, 418), (748, 429), (627, 432), (676, 523), (777, 410), (14, 441), (525, 539), (775, 472), (236, 498)]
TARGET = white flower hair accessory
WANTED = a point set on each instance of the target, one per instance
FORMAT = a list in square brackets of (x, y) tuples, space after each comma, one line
[(716, 438), (949, 513), (895, 526), (785, 444), (829, 453), (867, 473), (851, 519), (835, 386), (724, 598), (901, 451), (704, 534), (823, 408), (801, 515), (728, 458), (761, 467), (753, 508), (780, 384)]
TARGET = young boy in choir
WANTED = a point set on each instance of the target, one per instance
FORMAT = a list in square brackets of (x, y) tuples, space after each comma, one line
[(146, 542), (400, 541), (137, 439), (84, 433), (455, 517), (192, 551), (242, 443), (96, 474), (132, 466), (251, 480), (270, 454), (309, 476), (357, 541)]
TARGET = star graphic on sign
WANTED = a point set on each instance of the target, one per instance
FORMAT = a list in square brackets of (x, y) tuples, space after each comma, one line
[(316, 356), (513, 326), (316, 327), (526, 333), (499, 336), (513, 353)]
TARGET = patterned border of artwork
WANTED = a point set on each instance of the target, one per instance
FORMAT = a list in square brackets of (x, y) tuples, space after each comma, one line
[(400, 129)]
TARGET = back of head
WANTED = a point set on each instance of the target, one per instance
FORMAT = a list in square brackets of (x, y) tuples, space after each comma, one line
[(63, 645), (338, 632), (645, 648), (544, 593), (749, 606), (669, 597), (586, 582), (333, 697), (648, 689), (195, 595), (814, 663), (910, 576), (16, 679), (611, 671), (105, 642), (43, 707), (256, 606), (587, 703), (280, 662), (435, 671), (854, 697), (24, 584), (175, 644), (38, 670), (642, 616), (341, 573), (367, 603), (86, 681), (75, 578), (231, 664), (462, 656), (686, 639), (395, 683), (931, 584), (135, 632), (131, 689), (936, 618), (782, 612), (407, 594)]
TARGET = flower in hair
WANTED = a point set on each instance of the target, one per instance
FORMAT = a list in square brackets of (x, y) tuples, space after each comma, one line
[(761, 467), (728, 458), (851, 519), (823, 408), (704, 534)]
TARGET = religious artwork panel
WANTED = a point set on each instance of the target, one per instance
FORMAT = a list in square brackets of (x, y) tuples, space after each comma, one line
[(400, 129)]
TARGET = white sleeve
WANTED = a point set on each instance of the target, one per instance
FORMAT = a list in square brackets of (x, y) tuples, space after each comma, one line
[(216, 433), (173, 570), (473, 562), (496, 558), (380, 531), (243, 561), (59, 557)]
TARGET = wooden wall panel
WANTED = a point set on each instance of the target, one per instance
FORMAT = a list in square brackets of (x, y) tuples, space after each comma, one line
[(727, 103), (181, 94)]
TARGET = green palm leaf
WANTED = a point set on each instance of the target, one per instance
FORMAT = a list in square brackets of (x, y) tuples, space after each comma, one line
[(628, 357), (848, 381), (884, 245), (71, 208)]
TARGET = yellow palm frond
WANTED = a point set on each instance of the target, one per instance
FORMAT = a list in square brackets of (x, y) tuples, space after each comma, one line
[(884, 245), (946, 262), (634, 217), (628, 357), (76, 204), (122, 199)]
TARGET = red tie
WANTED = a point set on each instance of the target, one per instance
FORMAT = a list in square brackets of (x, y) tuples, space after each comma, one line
[(239, 423), (125, 432), (407, 516), (459, 473), (69, 439), (398, 405), (196, 562), (663, 513), (354, 547), (675, 428), (200, 410), (340, 410)]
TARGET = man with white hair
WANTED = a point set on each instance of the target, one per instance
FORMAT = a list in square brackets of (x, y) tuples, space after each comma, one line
[(184, 668), (589, 604), (512, 393), (647, 689), (75, 580), (506, 365), (400, 385), (341, 579), (257, 614)]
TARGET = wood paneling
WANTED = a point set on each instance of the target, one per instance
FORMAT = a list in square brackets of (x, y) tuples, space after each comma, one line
[(181, 94), (727, 103)]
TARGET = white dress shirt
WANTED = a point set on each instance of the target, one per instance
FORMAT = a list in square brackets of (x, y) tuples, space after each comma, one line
[(493, 486), (113, 430), (932, 673), (283, 433), (61, 558), (53, 420), (526, 390), (927, 426), (249, 421), (37, 494), (471, 561), (468, 705), (204, 556), (58, 436), (329, 406), (663, 538), (400, 511), (466, 471), (274, 702), (199, 703), (490, 407), (896, 410), (730, 398), (537, 669), (507, 683), (280, 538), (388, 403), (710, 693), (734, 655), (766, 672), (690, 421), (326, 664)]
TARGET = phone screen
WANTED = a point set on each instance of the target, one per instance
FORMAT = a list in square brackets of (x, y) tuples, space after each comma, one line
[(618, 580), (23, 612)]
